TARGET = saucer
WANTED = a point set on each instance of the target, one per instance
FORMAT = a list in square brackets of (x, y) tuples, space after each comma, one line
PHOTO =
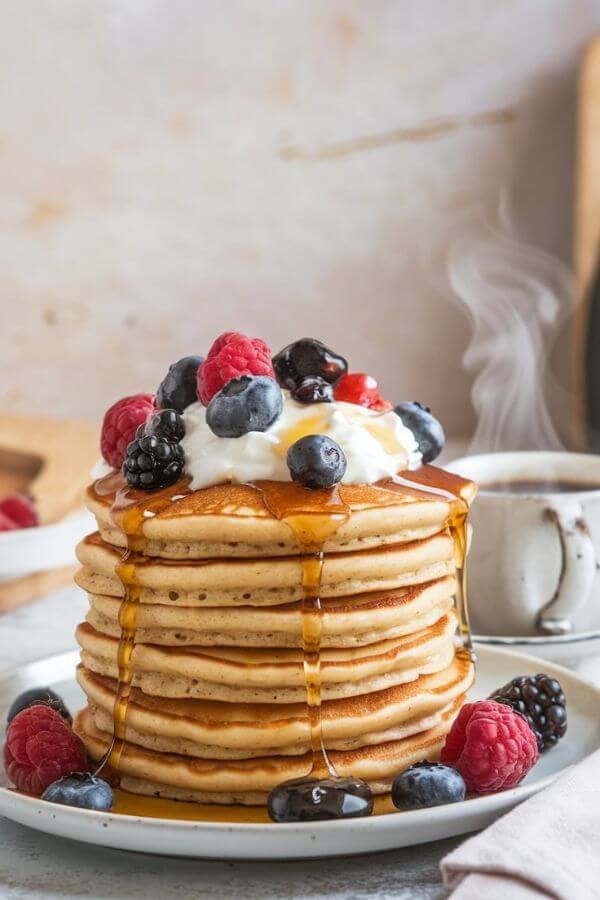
[(565, 649)]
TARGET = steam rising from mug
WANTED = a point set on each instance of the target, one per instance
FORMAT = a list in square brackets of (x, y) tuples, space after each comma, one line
[(516, 296)]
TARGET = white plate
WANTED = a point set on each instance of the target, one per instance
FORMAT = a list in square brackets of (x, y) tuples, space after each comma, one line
[(305, 840), (27, 550)]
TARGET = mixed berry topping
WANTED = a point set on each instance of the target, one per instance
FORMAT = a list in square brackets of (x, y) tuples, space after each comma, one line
[(178, 388), (491, 745), (153, 462), (44, 696), (541, 700), (356, 387), (313, 390), (427, 430), (316, 461), (307, 358), (120, 424), (40, 748), (81, 789), (232, 355), (427, 784), (17, 511), (248, 403), (312, 800)]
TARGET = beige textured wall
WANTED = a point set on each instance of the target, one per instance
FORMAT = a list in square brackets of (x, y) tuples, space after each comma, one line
[(173, 168)]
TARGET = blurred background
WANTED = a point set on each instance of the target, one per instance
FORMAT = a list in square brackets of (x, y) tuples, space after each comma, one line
[(360, 172)]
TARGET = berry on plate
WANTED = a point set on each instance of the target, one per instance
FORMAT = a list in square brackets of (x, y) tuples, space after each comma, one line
[(19, 509), (166, 423), (231, 356), (316, 461), (153, 462), (427, 784), (541, 700), (43, 696), (308, 358), (313, 390), (426, 429), (82, 790), (40, 748), (361, 389), (7, 524), (315, 800), (491, 745), (178, 388), (245, 404), (120, 424)]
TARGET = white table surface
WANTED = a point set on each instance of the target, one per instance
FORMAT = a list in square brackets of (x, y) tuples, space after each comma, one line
[(35, 865)]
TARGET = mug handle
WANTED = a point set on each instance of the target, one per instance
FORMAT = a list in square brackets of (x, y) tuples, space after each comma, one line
[(577, 570)]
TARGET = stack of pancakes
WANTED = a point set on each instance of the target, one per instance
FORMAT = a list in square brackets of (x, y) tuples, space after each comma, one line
[(217, 712)]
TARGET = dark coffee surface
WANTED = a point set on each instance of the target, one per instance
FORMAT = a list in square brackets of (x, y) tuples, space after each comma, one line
[(539, 486)]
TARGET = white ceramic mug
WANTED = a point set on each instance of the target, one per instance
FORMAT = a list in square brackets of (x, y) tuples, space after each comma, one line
[(533, 563)]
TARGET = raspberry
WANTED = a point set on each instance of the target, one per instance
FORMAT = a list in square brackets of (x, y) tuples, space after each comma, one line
[(40, 748), (20, 510), (356, 387), (491, 745), (232, 355), (120, 424), (7, 524)]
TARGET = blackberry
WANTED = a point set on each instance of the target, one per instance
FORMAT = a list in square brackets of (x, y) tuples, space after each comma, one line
[(39, 697), (427, 784), (307, 358), (541, 701), (313, 390), (153, 462), (166, 423), (316, 461), (178, 388), (426, 429)]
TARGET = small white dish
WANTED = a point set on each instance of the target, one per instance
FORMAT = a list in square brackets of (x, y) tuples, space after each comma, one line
[(565, 649), (305, 840), (28, 550)]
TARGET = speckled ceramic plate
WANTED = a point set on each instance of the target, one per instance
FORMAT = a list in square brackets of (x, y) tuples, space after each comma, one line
[(322, 839)]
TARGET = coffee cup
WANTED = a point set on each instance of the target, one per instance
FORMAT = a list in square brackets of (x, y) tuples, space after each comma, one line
[(533, 562)]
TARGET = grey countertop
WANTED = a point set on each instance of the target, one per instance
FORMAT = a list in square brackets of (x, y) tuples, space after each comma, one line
[(35, 865)]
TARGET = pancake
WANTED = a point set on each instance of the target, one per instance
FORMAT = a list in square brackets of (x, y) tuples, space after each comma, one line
[(249, 673), (346, 621), (236, 519), (229, 730), (245, 779), (219, 582)]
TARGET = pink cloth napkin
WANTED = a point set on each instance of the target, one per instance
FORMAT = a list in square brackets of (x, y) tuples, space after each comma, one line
[(548, 846)]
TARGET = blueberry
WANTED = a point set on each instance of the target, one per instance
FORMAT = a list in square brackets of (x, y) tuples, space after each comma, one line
[(313, 390), (166, 423), (312, 800), (427, 784), (428, 432), (316, 461), (248, 403), (178, 388), (80, 789), (37, 697), (305, 358)]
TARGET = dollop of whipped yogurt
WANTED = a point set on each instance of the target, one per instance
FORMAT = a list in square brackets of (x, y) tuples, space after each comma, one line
[(376, 445)]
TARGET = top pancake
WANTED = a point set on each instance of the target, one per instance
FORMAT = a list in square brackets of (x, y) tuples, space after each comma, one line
[(229, 520)]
